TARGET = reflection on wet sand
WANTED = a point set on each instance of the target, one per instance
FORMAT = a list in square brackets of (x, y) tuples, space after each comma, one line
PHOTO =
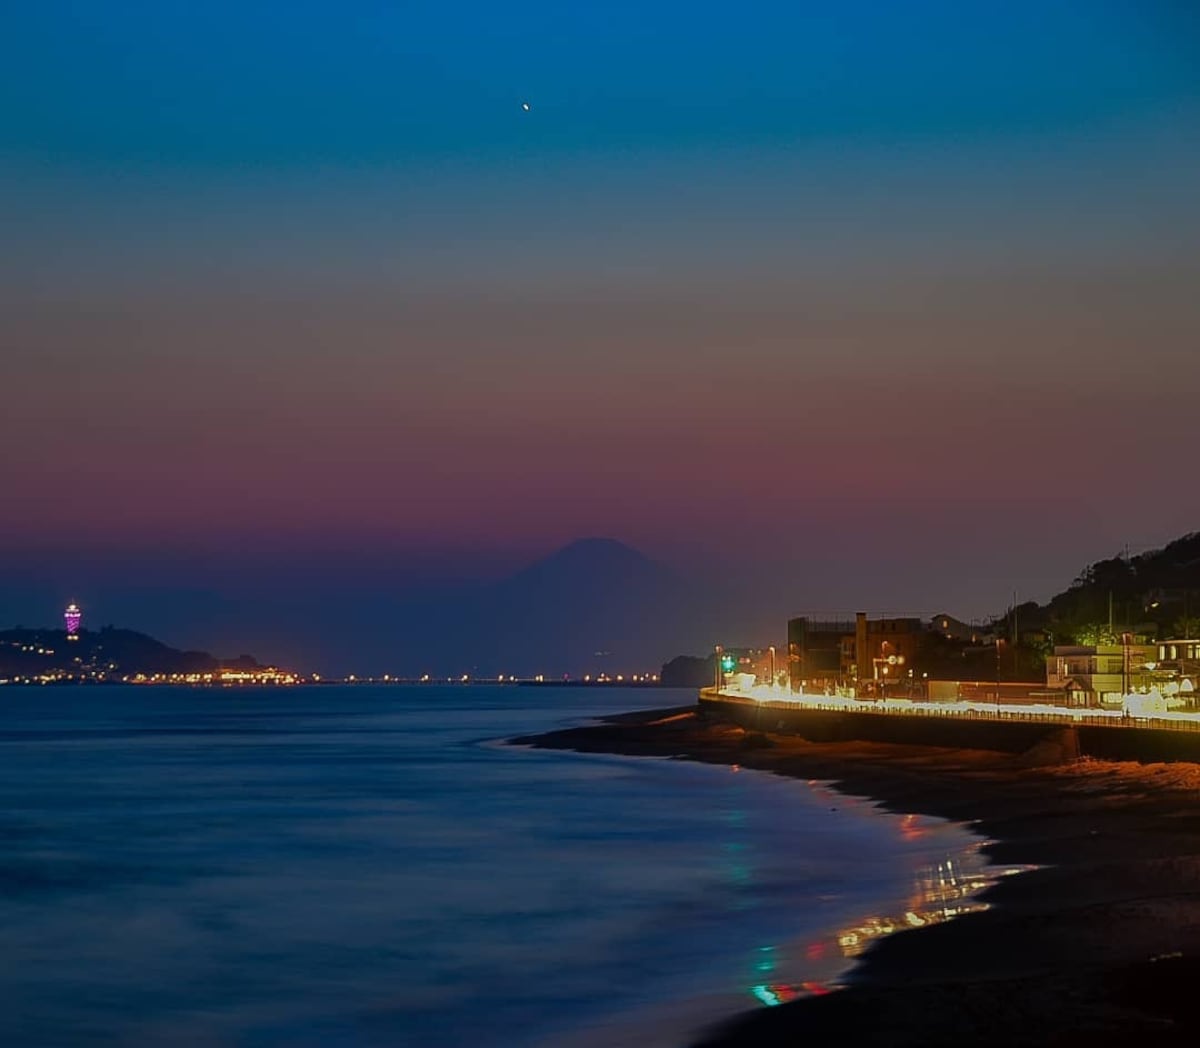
[(940, 892)]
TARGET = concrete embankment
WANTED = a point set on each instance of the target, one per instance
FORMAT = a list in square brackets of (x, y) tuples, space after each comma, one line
[(1047, 738)]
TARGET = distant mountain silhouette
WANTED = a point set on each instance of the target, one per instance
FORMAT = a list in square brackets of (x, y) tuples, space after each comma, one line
[(587, 562), (593, 605)]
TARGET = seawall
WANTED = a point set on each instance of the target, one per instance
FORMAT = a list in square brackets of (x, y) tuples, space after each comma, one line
[(1048, 736)]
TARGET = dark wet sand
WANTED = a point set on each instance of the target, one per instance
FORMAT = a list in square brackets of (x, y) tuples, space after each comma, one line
[(1099, 947)]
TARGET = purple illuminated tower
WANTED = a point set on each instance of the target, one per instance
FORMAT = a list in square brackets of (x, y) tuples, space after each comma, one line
[(72, 616)]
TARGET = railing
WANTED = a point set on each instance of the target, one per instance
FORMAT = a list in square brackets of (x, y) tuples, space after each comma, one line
[(1068, 718)]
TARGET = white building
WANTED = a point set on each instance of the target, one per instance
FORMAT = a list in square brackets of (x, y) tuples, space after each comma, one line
[(1100, 675)]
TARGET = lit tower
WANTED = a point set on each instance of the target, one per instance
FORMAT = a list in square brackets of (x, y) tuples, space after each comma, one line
[(72, 617)]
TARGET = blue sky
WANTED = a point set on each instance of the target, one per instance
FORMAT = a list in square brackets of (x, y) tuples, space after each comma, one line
[(318, 254), (217, 86)]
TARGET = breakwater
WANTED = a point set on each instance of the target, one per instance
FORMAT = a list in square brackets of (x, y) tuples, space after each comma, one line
[(1047, 737)]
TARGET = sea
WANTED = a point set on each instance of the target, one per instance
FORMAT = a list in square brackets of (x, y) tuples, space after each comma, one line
[(374, 866)]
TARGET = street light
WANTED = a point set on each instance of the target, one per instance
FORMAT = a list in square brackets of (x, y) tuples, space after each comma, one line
[(882, 667), (771, 649)]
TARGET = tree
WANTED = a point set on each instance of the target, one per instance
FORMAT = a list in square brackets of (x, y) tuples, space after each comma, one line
[(1187, 626), (1095, 633)]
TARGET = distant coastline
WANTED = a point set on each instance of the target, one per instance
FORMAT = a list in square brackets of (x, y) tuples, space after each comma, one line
[(1098, 944), (111, 655)]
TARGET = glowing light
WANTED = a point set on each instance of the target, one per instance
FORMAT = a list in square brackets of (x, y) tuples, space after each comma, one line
[(72, 617), (525, 106), (766, 995), (1137, 707)]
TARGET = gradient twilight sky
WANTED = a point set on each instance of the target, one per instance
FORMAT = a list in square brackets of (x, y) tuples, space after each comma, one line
[(876, 304)]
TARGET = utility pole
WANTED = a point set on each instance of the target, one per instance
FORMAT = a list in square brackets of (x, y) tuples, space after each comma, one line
[(1016, 637), (1125, 641), (999, 642)]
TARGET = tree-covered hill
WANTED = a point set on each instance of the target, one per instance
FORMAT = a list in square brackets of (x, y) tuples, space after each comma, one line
[(1156, 593), (108, 653)]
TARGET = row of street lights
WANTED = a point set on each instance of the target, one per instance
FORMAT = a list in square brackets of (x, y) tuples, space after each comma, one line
[(725, 663)]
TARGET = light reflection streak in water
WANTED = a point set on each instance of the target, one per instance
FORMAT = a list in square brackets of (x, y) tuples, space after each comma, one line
[(940, 892)]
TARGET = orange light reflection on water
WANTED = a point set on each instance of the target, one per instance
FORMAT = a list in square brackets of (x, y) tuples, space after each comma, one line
[(940, 892)]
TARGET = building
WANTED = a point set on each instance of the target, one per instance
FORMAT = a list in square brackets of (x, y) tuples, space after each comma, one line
[(886, 650), (818, 651), (879, 651), (955, 629), (1176, 670), (1181, 657), (72, 617), (1100, 674)]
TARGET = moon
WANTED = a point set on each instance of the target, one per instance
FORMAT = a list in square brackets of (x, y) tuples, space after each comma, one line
[(525, 106)]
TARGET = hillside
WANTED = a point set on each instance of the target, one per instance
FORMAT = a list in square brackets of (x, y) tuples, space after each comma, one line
[(1156, 593), (106, 654)]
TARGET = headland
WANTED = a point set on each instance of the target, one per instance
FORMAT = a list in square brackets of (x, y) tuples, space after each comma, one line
[(1098, 943)]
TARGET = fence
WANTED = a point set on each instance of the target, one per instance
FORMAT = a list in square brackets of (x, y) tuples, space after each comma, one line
[(1068, 718)]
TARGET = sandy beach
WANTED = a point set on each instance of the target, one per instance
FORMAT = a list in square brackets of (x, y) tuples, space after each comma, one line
[(1097, 945)]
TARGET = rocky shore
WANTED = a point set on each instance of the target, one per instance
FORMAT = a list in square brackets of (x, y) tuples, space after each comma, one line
[(1099, 945)]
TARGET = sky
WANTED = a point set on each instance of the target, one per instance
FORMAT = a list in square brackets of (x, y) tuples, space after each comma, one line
[(860, 304)]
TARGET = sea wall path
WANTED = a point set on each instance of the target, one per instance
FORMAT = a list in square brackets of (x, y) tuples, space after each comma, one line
[(1048, 734)]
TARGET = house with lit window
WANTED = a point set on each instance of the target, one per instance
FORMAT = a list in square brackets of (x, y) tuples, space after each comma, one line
[(1182, 656), (1177, 669), (1100, 674), (955, 629)]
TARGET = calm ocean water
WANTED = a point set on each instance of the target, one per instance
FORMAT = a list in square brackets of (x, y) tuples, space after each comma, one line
[(367, 867)]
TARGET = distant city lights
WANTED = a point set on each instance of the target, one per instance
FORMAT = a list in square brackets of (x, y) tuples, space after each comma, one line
[(91, 667)]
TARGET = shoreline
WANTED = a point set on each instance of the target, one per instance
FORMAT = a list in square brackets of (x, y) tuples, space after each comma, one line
[(922, 883), (1097, 943)]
